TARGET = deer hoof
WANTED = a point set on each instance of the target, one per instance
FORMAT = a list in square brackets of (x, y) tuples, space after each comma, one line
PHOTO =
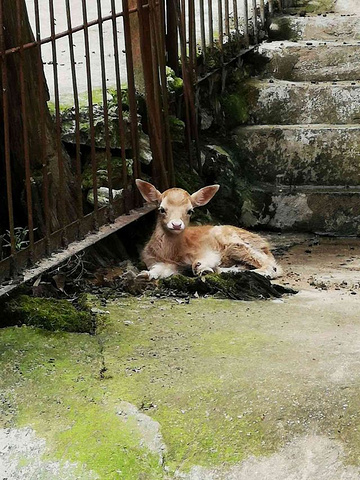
[(144, 275), (199, 270)]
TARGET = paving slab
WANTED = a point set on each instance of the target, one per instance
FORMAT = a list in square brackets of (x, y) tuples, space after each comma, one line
[(196, 389)]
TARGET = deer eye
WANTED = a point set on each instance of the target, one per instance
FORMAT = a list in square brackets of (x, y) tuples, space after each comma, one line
[(190, 212), (162, 210)]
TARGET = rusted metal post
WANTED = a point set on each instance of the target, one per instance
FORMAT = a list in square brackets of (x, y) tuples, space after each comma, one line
[(77, 115), (254, 19), (262, 12), (236, 16), (172, 37), (227, 18), (133, 30), (120, 108), (91, 115), (246, 22), (202, 30), (271, 7), (5, 102), (29, 205), (133, 64), (45, 169), (106, 113), (211, 24)]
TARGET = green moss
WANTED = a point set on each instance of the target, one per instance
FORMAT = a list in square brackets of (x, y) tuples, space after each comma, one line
[(245, 286), (225, 380), (177, 129), (319, 6), (60, 392), (50, 314), (235, 108)]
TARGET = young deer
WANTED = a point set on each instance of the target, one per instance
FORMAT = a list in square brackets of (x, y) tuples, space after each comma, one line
[(207, 249)]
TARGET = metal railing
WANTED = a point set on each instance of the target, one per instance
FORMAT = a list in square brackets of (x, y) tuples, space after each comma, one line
[(51, 54)]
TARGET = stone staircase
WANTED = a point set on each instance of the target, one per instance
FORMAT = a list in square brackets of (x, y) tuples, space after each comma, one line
[(302, 138)]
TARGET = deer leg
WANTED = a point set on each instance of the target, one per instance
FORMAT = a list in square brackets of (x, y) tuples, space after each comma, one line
[(207, 263), (263, 262), (158, 270)]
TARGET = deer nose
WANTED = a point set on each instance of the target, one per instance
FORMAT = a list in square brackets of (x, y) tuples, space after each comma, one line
[(176, 225)]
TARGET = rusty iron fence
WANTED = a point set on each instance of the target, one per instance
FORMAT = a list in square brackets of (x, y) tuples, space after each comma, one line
[(51, 50)]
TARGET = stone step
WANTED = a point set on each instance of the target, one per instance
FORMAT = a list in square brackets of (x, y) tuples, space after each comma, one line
[(287, 103), (307, 61), (318, 27), (300, 154), (322, 210)]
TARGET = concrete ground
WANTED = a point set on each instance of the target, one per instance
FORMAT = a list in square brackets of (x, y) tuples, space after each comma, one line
[(210, 389)]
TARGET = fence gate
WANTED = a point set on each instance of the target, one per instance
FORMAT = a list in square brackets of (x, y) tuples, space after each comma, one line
[(84, 108), (71, 139)]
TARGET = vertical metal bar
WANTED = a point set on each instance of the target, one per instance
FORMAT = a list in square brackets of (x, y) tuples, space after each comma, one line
[(192, 39), (254, 18), (45, 171), (61, 210), (119, 104), (202, 29), (172, 37), (221, 25), (77, 114), (187, 85), (159, 30), (19, 6), (132, 94), (106, 112), (151, 77), (211, 24), (227, 18), (6, 132), (246, 22), (236, 16), (271, 7), (262, 12), (91, 113)]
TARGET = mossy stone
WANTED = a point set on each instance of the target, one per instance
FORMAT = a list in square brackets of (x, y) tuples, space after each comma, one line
[(50, 314), (246, 285), (235, 109)]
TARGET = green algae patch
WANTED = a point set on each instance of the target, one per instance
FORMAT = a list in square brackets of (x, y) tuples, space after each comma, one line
[(48, 313), (177, 363), (235, 108), (55, 383), (224, 380)]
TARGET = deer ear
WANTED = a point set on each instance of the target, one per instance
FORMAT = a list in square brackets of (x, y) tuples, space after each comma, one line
[(148, 191), (204, 195)]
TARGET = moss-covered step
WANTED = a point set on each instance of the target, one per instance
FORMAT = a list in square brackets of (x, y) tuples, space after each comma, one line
[(308, 61), (300, 154), (315, 27), (331, 210), (286, 103), (308, 6)]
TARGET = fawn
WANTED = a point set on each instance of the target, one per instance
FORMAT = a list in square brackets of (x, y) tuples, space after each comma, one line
[(207, 249)]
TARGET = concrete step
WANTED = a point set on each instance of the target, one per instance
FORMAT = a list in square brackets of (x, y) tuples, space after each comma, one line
[(300, 154), (287, 103), (315, 27), (307, 61), (334, 211)]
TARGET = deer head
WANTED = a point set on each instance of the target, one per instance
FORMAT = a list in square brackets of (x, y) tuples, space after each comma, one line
[(175, 205)]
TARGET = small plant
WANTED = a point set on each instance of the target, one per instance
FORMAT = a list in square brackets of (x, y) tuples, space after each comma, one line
[(21, 235)]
